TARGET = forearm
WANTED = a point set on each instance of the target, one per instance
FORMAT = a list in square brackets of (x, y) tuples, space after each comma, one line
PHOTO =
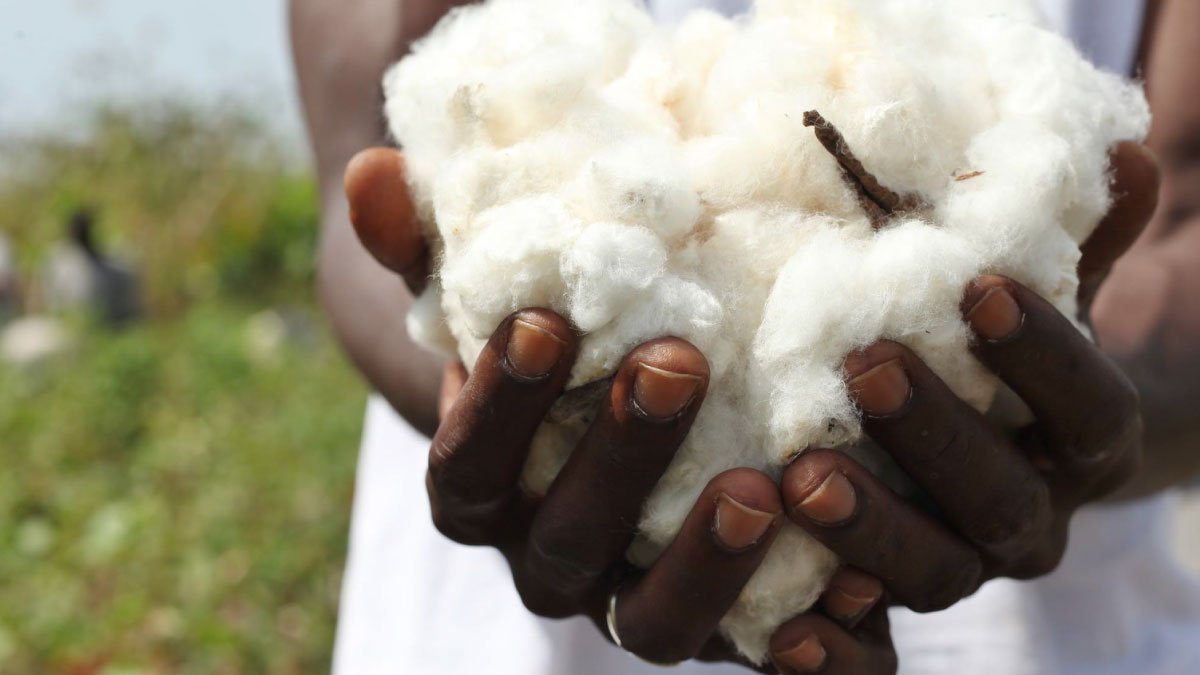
[(367, 305), (1147, 315), (1151, 298), (341, 50)]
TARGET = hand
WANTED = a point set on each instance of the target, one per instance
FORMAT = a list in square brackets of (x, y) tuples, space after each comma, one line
[(567, 548), (1003, 502)]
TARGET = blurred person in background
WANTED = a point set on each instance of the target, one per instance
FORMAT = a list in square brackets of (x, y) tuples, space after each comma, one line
[(80, 275), (10, 295), (1112, 601)]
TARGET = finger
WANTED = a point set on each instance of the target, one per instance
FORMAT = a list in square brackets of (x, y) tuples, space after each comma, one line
[(719, 650), (1085, 406), (590, 512), (925, 565), (454, 377), (850, 596), (383, 215), (983, 483), (811, 643), (1135, 184), (478, 452), (663, 617)]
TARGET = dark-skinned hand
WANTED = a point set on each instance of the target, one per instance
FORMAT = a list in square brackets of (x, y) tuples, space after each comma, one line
[(1003, 503), (1003, 500)]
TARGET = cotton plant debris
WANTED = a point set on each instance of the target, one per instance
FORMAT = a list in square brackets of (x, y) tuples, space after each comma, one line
[(778, 189)]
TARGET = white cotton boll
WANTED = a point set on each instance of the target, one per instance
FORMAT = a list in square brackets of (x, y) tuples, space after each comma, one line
[(648, 181), (646, 87), (548, 452), (501, 86), (479, 178), (639, 184), (606, 267), (426, 324), (520, 242), (719, 444), (793, 574), (700, 40), (670, 306)]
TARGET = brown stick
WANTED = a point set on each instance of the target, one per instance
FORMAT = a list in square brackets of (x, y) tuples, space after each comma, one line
[(879, 202)]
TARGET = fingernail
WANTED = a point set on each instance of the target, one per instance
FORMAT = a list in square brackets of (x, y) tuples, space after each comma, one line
[(662, 393), (831, 503), (996, 315), (850, 597), (532, 350), (806, 657), (738, 526), (882, 390)]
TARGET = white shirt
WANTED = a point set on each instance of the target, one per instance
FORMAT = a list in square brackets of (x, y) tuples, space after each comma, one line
[(414, 603)]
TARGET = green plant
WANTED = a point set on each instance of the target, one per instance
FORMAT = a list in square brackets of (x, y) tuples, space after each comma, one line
[(175, 496), (205, 202)]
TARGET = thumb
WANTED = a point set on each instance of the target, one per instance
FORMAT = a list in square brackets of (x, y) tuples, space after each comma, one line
[(1135, 181), (382, 212)]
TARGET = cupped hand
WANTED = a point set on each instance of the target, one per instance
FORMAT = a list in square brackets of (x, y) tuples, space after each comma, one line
[(566, 549), (1002, 501)]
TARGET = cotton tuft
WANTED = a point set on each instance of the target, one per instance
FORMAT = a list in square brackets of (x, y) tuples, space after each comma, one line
[(646, 181)]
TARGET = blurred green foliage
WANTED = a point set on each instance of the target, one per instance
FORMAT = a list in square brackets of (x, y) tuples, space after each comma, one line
[(205, 201), (175, 496)]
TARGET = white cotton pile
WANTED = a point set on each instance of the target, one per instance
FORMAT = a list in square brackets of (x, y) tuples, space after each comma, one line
[(647, 181)]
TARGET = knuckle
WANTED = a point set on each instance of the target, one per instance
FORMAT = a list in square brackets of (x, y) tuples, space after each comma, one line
[(1121, 425), (1118, 474), (539, 602), (465, 491), (437, 512), (1042, 561), (1108, 451), (1131, 463), (1039, 564), (663, 645), (889, 663), (1125, 433), (459, 521), (443, 524), (947, 583), (948, 442), (557, 562), (439, 453), (1117, 455), (657, 632), (1128, 398), (1017, 521), (454, 529), (453, 479)]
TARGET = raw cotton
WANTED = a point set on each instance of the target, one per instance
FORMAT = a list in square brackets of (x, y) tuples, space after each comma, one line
[(645, 181)]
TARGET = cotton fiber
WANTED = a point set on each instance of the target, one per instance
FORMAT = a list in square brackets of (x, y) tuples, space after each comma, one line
[(646, 181)]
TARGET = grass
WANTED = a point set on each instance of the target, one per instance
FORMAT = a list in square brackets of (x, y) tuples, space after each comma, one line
[(176, 495)]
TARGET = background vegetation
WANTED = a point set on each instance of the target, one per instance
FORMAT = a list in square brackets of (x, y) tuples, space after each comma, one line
[(175, 495)]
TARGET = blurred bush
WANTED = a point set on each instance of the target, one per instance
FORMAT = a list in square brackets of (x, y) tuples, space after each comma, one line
[(206, 202), (175, 496)]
